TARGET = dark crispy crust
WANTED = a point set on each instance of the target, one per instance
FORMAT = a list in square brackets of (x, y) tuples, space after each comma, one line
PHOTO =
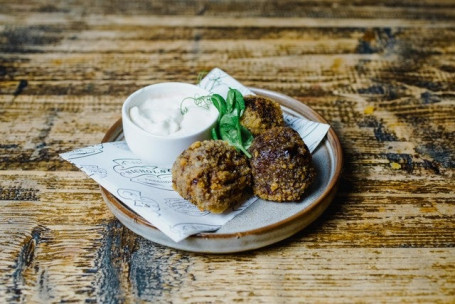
[(261, 114), (212, 175), (281, 165)]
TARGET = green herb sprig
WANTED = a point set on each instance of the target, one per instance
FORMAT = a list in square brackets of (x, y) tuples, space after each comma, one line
[(201, 101), (228, 126)]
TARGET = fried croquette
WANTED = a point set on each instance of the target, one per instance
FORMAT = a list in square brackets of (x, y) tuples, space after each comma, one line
[(281, 165), (261, 114), (212, 175)]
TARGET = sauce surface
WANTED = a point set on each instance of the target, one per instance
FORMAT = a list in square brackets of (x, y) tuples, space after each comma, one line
[(162, 115)]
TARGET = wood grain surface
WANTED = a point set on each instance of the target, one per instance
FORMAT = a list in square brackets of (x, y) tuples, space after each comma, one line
[(382, 73)]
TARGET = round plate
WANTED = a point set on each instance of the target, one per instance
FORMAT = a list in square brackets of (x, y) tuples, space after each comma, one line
[(264, 222)]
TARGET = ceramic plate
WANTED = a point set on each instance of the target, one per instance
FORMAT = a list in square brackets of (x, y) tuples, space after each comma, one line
[(264, 222)]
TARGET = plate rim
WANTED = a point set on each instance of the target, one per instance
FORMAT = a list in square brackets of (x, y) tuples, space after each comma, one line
[(327, 193)]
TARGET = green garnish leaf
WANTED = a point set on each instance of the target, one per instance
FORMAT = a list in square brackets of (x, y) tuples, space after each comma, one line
[(239, 102), (230, 100), (214, 134), (228, 126), (219, 103), (247, 137)]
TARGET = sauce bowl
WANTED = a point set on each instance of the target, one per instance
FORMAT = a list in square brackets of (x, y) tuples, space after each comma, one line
[(162, 150)]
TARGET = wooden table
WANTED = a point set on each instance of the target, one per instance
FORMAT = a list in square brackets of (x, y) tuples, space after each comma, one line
[(381, 74)]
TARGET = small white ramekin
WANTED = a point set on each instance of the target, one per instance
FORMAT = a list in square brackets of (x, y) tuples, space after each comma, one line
[(161, 150)]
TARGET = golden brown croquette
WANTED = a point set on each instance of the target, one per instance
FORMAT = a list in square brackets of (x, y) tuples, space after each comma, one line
[(261, 114), (281, 165), (212, 175)]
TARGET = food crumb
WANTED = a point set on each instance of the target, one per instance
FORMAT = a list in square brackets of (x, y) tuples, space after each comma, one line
[(395, 166), (368, 110)]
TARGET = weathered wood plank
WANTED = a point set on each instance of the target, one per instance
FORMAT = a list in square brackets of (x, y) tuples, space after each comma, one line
[(321, 9), (291, 271)]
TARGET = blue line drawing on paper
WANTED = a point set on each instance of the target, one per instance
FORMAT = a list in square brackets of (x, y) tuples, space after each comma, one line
[(183, 206), (85, 152), (213, 81), (128, 162), (290, 120), (136, 171), (185, 229), (94, 170), (152, 181), (139, 200)]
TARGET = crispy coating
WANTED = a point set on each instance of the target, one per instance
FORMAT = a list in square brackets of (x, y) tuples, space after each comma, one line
[(212, 175), (281, 165), (261, 114)]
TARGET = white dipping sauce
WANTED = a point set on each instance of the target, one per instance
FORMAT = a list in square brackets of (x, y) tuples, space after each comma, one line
[(162, 115)]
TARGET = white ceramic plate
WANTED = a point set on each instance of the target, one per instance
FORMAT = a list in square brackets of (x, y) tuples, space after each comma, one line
[(264, 222)]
